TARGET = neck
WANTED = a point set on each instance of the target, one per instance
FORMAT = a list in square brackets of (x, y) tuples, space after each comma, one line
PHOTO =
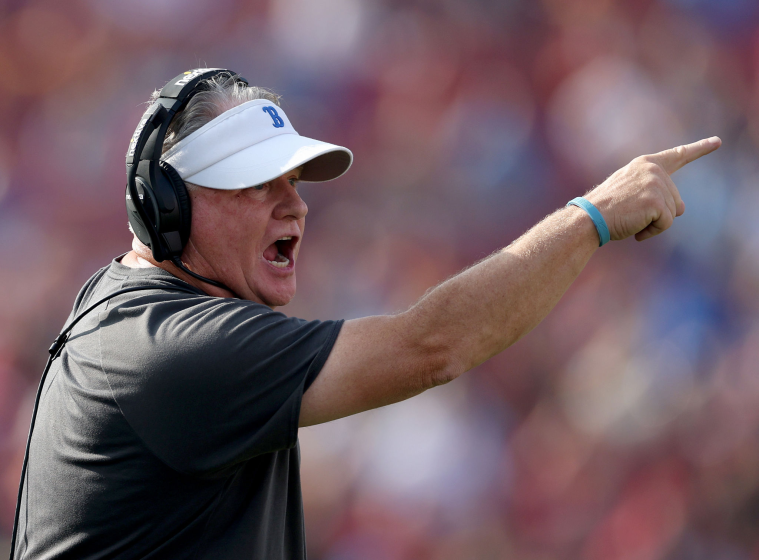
[(134, 260)]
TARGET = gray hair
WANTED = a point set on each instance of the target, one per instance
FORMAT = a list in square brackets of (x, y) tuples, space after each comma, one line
[(221, 94)]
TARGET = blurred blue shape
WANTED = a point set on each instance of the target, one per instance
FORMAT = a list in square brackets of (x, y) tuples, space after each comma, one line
[(682, 311), (705, 188), (727, 16), (490, 138)]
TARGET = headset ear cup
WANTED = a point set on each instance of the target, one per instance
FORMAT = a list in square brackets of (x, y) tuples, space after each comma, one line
[(183, 200)]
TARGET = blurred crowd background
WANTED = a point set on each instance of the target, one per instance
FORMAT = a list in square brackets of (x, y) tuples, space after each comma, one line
[(626, 426)]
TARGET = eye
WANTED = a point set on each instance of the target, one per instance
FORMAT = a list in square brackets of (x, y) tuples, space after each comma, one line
[(260, 187), (293, 181)]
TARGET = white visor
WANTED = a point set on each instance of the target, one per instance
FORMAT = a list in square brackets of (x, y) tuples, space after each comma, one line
[(250, 145)]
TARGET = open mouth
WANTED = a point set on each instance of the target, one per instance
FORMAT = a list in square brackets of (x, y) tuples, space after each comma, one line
[(280, 253)]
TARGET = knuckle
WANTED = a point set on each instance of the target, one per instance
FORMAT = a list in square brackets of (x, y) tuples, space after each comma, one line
[(659, 210), (655, 203), (653, 182), (652, 168)]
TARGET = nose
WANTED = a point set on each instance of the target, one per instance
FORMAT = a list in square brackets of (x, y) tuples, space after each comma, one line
[(291, 204)]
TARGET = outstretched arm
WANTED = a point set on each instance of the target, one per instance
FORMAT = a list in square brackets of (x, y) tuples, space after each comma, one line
[(486, 308)]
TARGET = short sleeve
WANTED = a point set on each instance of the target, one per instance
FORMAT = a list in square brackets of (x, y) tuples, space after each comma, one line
[(206, 382)]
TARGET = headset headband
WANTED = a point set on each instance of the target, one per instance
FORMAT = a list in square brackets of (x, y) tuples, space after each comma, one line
[(155, 121)]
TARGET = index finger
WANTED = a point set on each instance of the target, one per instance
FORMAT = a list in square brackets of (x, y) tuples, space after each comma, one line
[(673, 159)]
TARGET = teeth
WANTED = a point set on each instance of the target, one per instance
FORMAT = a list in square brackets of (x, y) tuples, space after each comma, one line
[(282, 264), (281, 260)]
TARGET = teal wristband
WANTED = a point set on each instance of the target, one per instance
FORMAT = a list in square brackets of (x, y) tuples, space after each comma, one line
[(595, 215)]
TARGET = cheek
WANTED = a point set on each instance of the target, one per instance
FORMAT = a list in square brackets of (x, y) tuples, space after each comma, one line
[(225, 227), (211, 228)]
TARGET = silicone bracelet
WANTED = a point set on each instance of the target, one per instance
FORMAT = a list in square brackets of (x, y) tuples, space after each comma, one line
[(595, 215)]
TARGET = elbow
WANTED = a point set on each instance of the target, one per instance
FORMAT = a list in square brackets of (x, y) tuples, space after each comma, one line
[(445, 374), (440, 365), (431, 352)]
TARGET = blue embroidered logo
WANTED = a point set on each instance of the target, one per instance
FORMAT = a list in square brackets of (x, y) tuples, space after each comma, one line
[(278, 122)]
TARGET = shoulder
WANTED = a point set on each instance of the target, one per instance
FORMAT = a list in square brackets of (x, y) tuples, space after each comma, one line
[(160, 329), (86, 292), (165, 314)]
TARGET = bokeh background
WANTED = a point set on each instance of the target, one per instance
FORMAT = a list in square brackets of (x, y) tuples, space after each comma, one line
[(626, 426)]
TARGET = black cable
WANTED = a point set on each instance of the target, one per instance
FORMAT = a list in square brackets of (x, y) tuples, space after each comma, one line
[(55, 350), (179, 264)]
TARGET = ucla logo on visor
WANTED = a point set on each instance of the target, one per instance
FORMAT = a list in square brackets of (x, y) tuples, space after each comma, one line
[(278, 122)]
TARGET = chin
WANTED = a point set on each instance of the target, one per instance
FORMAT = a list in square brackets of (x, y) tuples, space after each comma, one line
[(276, 302), (278, 298)]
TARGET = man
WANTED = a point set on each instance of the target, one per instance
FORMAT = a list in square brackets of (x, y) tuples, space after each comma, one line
[(168, 426)]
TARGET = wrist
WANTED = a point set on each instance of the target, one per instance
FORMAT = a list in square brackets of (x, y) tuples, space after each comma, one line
[(597, 219), (582, 225)]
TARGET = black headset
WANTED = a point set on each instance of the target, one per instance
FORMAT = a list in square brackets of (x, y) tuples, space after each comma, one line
[(157, 201)]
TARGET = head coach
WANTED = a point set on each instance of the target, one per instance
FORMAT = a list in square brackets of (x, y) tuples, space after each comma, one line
[(166, 424)]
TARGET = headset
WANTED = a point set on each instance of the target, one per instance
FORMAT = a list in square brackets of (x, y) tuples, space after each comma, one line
[(159, 212), (157, 201)]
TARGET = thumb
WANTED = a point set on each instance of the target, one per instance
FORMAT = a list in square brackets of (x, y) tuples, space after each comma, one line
[(673, 159)]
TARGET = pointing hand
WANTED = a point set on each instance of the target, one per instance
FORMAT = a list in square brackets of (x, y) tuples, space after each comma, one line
[(641, 199)]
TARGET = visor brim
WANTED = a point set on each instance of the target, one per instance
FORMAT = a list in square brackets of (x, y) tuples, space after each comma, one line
[(272, 158)]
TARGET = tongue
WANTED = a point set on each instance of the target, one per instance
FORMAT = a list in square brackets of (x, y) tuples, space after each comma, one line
[(270, 254)]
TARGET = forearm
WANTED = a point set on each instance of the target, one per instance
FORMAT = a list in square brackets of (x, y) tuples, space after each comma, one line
[(483, 310), (381, 360)]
